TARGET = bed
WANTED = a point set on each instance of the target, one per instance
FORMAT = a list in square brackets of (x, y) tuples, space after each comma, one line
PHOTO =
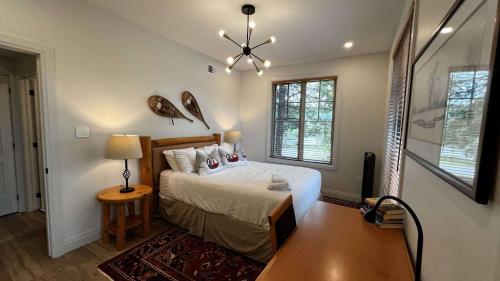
[(229, 207)]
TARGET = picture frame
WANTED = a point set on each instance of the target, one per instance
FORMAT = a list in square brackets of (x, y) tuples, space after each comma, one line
[(452, 124)]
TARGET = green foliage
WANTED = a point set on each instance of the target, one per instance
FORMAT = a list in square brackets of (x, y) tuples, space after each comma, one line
[(318, 101)]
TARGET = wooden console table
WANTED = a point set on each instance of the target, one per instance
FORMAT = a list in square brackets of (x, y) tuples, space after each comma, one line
[(112, 196), (335, 243)]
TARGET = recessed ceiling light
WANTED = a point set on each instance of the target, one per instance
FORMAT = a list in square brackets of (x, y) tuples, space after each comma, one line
[(348, 45), (447, 30)]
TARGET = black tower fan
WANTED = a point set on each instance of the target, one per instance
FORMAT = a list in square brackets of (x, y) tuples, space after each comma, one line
[(368, 174)]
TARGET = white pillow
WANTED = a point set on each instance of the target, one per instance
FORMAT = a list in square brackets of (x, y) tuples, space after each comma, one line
[(169, 156), (209, 148), (230, 159), (186, 160), (229, 147)]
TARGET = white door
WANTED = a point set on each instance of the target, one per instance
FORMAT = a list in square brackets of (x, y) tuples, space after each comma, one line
[(8, 190)]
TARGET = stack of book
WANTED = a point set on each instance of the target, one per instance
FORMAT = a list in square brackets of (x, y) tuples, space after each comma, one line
[(389, 215)]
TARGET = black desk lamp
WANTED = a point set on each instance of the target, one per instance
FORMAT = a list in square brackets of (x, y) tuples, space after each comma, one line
[(372, 214)]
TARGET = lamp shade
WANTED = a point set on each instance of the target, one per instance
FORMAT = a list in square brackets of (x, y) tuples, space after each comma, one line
[(232, 136), (120, 147)]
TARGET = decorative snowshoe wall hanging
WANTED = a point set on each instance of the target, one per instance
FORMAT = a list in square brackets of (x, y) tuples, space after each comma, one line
[(163, 107), (191, 105)]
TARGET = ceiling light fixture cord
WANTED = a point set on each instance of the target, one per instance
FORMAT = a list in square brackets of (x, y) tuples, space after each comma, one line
[(248, 27)]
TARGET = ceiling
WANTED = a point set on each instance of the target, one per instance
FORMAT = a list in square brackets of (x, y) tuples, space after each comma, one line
[(312, 30)]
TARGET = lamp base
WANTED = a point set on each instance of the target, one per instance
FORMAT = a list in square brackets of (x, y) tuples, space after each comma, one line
[(127, 189)]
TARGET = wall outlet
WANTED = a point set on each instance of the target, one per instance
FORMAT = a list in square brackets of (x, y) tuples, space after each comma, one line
[(82, 132), (359, 180)]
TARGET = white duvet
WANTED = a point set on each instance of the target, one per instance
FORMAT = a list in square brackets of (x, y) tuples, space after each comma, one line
[(241, 192)]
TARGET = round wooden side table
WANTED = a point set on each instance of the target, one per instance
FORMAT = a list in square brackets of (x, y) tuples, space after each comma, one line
[(112, 196)]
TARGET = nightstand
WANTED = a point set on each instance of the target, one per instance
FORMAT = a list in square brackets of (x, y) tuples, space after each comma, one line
[(123, 222)]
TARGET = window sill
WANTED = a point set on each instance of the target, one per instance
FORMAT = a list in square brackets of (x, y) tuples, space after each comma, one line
[(332, 167)]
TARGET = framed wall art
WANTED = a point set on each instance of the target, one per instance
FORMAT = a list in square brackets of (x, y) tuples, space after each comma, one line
[(452, 124)]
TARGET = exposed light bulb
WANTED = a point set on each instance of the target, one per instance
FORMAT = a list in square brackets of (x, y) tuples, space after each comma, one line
[(447, 30), (243, 45), (260, 72), (221, 33), (228, 70), (273, 39), (348, 45), (267, 64), (250, 60), (251, 24), (230, 60)]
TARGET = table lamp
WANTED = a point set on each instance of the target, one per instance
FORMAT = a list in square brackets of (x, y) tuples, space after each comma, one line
[(232, 137), (124, 147), (371, 216)]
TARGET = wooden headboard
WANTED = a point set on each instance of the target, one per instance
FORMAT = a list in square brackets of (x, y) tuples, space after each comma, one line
[(153, 162)]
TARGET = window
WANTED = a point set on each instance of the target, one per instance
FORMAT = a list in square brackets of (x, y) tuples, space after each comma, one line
[(302, 120), (393, 145), (462, 126)]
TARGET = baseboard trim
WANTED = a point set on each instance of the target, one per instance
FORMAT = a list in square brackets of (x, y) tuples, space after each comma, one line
[(341, 195), (76, 241)]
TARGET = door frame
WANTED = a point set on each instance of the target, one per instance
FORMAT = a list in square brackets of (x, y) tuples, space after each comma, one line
[(47, 103)]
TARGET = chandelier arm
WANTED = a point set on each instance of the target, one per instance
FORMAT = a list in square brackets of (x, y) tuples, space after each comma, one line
[(256, 67), (261, 60), (240, 56), (263, 43), (230, 39)]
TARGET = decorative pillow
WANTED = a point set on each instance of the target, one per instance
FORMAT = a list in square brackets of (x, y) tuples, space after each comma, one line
[(209, 148), (186, 160), (241, 152), (227, 146), (230, 159), (169, 156), (208, 163)]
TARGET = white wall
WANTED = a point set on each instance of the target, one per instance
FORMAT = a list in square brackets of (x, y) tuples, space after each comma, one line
[(105, 70), (361, 107), (462, 238)]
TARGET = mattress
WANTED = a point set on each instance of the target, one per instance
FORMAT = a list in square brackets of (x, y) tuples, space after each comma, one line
[(241, 192)]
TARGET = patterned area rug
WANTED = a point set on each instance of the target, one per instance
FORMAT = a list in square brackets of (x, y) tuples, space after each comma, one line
[(176, 255), (341, 202)]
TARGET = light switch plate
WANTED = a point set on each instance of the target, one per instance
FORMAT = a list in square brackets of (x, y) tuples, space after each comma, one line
[(82, 132)]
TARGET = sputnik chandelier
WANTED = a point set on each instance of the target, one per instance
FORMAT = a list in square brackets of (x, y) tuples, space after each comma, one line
[(247, 50)]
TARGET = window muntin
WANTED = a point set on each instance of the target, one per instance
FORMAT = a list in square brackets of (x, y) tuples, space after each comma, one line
[(303, 120)]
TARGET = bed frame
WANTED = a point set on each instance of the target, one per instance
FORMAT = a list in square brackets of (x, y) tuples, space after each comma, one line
[(153, 162)]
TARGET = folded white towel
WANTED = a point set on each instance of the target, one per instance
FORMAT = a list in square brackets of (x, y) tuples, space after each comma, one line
[(281, 186), (277, 179)]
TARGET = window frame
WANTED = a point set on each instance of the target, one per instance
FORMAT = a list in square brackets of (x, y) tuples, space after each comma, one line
[(335, 124)]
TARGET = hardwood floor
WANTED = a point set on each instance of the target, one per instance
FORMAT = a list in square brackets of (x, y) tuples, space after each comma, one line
[(23, 251)]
